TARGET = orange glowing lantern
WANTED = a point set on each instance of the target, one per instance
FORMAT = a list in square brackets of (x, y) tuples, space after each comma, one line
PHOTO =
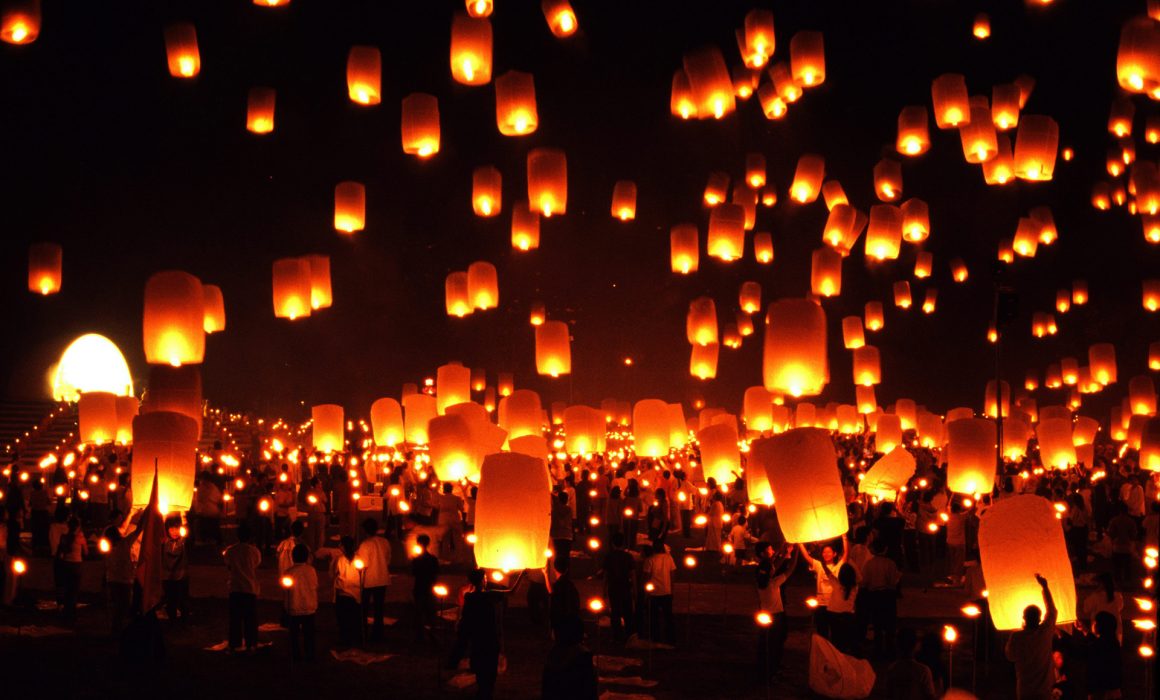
[(1036, 143), (1005, 105), (44, 268), (888, 432), (457, 299), (553, 349), (875, 318), (515, 104), (811, 506), (794, 358), (548, 181), (681, 97), (561, 18), (327, 431), (1138, 57), (726, 239), (807, 178), (853, 336), (701, 321), (716, 188), (951, 103), (981, 29), (292, 288), (826, 272), (833, 194), (350, 206), (167, 441), (978, 137), (181, 50), (1026, 239), (959, 270), (759, 40), (867, 366), (703, 361), (755, 170), (321, 296), (127, 410), (710, 82), (757, 409), (525, 227), (720, 457), (683, 244), (624, 200), (470, 50), (174, 390), (479, 8), (387, 422), (749, 297), (913, 131), (1001, 169), (214, 319), (20, 22), (889, 474), (807, 58), (1102, 361), (452, 386), (1056, 447), (97, 417), (1154, 355), (487, 190), (260, 110), (420, 125), (482, 285), (772, 105), (512, 513), (451, 448), (970, 455), (915, 220), (1151, 294), (929, 300), (788, 89), (1142, 396), (583, 430), (840, 232), (364, 75), (174, 320), (888, 180), (992, 404), (884, 234), (923, 262), (865, 398), (763, 247), (418, 410)]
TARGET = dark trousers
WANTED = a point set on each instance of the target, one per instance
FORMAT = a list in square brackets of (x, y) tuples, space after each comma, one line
[(843, 628), (1122, 568), (70, 574), (620, 613), (882, 614), (661, 628), (686, 523), (822, 621), (120, 598), (38, 524), (424, 612), (486, 670), (176, 598), (771, 643), (243, 620), (302, 625), (209, 529), (348, 612), (562, 548), (373, 600)]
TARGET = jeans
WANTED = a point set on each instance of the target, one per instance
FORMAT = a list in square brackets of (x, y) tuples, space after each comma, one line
[(70, 572), (348, 612), (822, 621), (302, 625), (620, 613), (373, 600), (176, 598), (661, 619), (243, 620)]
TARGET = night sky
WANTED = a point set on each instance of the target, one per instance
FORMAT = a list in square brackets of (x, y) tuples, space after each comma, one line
[(134, 171)]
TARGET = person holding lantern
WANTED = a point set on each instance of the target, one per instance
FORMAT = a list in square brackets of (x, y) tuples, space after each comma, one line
[(1030, 649), (174, 570), (347, 594), (301, 584), (772, 573), (825, 572)]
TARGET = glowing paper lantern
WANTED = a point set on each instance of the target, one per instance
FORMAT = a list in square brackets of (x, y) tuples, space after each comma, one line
[(992, 404), (553, 349), (418, 410), (744, 324), (97, 417), (710, 82), (350, 207), (794, 360), (726, 232), (181, 50), (420, 125), (1056, 447), (1045, 223), (167, 441), (91, 363), (214, 319), (364, 75), (923, 262), (852, 333), (716, 188), (720, 457), (684, 254), (951, 104), (979, 140), (505, 383), (888, 180), (548, 181), (44, 268), (456, 297), (451, 448), (483, 285), (525, 227), (1150, 445), (292, 291), (703, 361), (902, 297), (624, 200), (867, 366), (1005, 106), (1102, 360), (826, 272), (913, 131), (1084, 431), (763, 247), (746, 197), (888, 432), (1016, 433), (788, 89), (807, 178), (561, 18), (1142, 395), (538, 313), (583, 430), (811, 506), (1001, 169), (970, 455), (757, 405), (512, 513), (807, 58), (1138, 57), (1151, 294), (981, 29), (321, 296), (1036, 143), (515, 104), (452, 386), (1021, 538), (755, 170), (888, 475), (1154, 355), (884, 235), (833, 194), (174, 320), (907, 412), (174, 390), (470, 50), (479, 8), (915, 220), (839, 231), (387, 422), (127, 410), (328, 428), (260, 110), (651, 426), (681, 97), (875, 317), (20, 22)]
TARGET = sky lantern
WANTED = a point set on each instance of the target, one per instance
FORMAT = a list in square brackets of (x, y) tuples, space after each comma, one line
[(757, 409), (181, 50), (328, 428), (913, 131), (716, 188), (1026, 239), (701, 321), (127, 410), (888, 432), (981, 28), (418, 410), (1152, 128), (1079, 292), (1102, 361), (97, 417), (759, 40), (929, 300), (1056, 447), (1150, 446), (364, 75), (1151, 228), (1031, 380), (746, 196), (745, 81), (167, 441), (561, 18), (470, 49), (978, 137), (20, 22), (478, 379), (420, 125), (951, 103), (681, 102), (624, 200), (992, 404), (826, 272), (867, 366), (849, 422), (763, 247), (884, 234), (1084, 431), (839, 231), (1036, 143), (703, 361), (755, 170), (1142, 395), (505, 383), (548, 180), (1138, 57), (959, 271), (457, 299), (174, 389), (1005, 105), (720, 457), (44, 268), (1016, 433), (321, 296), (260, 110), (833, 194), (538, 313), (923, 263), (553, 349), (749, 297), (1045, 223), (865, 399), (788, 89), (1151, 294), (525, 227), (1120, 117), (292, 290), (711, 84), (852, 334), (486, 190), (805, 415), (807, 178), (1001, 169), (794, 360), (970, 455), (482, 285), (1069, 368), (1154, 355), (479, 8), (214, 318), (915, 220), (583, 430), (902, 298), (726, 240), (875, 319), (756, 472), (651, 426), (886, 478), (907, 412), (807, 58), (1020, 538), (174, 319), (452, 386), (451, 448), (387, 422), (515, 104), (350, 206), (1101, 196), (1063, 300), (522, 414), (888, 180), (811, 506), (512, 513), (772, 105)]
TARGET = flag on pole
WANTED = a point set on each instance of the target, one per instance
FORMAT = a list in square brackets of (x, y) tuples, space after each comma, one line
[(148, 574)]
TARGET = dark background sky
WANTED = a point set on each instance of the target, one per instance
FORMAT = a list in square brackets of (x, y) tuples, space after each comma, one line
[(134, 172)]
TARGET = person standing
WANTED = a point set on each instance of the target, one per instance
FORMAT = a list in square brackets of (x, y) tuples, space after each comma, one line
[(286, 547), (880, 579), (906, 678), (1122, 531), (301, 584), (425, 572), (1030, 649), (825, 571), (480, 634), (450, 524), (315, 515), (119, 571), (618, 568), (175, 570), (772, 573), (841, 609), (70, 552), (561, 526), (658, 572), (242, 559), (375, 553), (565, 602), (347, 595)]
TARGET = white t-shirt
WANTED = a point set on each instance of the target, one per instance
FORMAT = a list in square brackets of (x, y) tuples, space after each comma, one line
[(825, 585), (376, 555), (658, 570), (302, 595)]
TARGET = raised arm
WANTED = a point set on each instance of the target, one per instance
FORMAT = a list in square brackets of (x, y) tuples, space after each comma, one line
[(1052, 614), (805, 554), (845, 551)]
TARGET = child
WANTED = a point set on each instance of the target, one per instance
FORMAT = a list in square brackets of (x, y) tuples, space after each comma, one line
[(301, 584)]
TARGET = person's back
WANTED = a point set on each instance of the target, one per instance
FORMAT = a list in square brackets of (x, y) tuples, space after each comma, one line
[(906, 678), (569, 671), (618, 568), (1030, 650), (242, 559), (375, 552)]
